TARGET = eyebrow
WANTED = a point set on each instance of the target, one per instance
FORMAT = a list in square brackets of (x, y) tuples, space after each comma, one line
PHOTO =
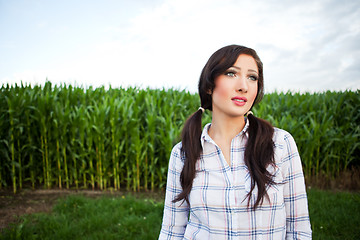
[(250, 70)]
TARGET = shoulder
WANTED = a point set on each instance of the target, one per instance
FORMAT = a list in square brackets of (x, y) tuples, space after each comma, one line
[(176, 157), (285, 145), (176, 150), (282, 136)]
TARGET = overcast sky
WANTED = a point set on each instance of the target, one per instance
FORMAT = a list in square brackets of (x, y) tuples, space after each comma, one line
[(304, 45)]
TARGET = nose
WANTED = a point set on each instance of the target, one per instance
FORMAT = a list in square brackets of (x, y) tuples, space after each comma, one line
[(242, 84)]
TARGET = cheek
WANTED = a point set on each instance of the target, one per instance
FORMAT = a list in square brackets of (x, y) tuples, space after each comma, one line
[(221, 88), (254, 92)]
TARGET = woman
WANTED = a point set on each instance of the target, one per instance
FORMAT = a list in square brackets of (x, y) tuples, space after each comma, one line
[(239, 177)]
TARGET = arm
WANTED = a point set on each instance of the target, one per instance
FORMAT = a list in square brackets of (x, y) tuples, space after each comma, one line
[(175, 216), (295, 198)]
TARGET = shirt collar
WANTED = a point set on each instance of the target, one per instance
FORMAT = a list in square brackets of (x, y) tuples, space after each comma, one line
[(205, 133)]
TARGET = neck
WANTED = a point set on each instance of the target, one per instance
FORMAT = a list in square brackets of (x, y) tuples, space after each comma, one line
[(226, 128)]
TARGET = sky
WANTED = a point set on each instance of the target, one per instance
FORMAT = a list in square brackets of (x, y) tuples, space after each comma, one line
[(304, 45)]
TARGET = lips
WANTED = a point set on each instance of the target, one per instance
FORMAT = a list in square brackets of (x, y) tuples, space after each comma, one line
[(240, 101)]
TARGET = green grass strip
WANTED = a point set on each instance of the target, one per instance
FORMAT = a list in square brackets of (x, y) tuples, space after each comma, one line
[(78, 217), (334, 215)]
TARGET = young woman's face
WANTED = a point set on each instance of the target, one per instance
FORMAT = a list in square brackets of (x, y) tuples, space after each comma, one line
[(236, 89)]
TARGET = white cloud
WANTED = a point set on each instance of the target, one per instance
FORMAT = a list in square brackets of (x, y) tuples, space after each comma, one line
[(304, 45)]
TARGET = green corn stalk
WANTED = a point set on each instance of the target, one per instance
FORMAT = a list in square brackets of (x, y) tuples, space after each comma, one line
[(4, 158), (19, 162), (44, 104), (126, 114), (82, 146), (100, 112), (47, 164), (58, 163), (12, 143), (115, 142), (151, 117), (65, 120), (44, 150), (56, 122), (58, 153), (137, 146), (89, 143), (67, 180), (31, 155), (73, 147)]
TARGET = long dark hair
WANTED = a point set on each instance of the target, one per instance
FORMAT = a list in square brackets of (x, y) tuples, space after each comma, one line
[(259, 152)]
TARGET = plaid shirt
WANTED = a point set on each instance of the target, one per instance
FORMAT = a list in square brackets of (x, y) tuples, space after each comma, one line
[(218, 203)]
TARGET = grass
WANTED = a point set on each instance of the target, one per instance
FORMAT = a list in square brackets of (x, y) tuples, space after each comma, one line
[(334, 215), (80, 217)]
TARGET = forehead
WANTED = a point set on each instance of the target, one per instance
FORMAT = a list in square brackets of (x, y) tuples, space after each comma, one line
[(246, 62)]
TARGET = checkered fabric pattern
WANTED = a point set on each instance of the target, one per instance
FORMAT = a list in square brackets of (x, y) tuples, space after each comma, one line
[(218, 204)]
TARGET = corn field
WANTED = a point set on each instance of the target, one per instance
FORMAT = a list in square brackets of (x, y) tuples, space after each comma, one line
[(71, 137)]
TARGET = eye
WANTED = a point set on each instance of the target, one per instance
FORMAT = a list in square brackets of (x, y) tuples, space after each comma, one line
[(230, 74), (253, 77)]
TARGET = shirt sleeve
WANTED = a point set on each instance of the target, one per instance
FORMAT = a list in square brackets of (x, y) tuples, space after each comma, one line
[(175, 216), (295, 198)]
